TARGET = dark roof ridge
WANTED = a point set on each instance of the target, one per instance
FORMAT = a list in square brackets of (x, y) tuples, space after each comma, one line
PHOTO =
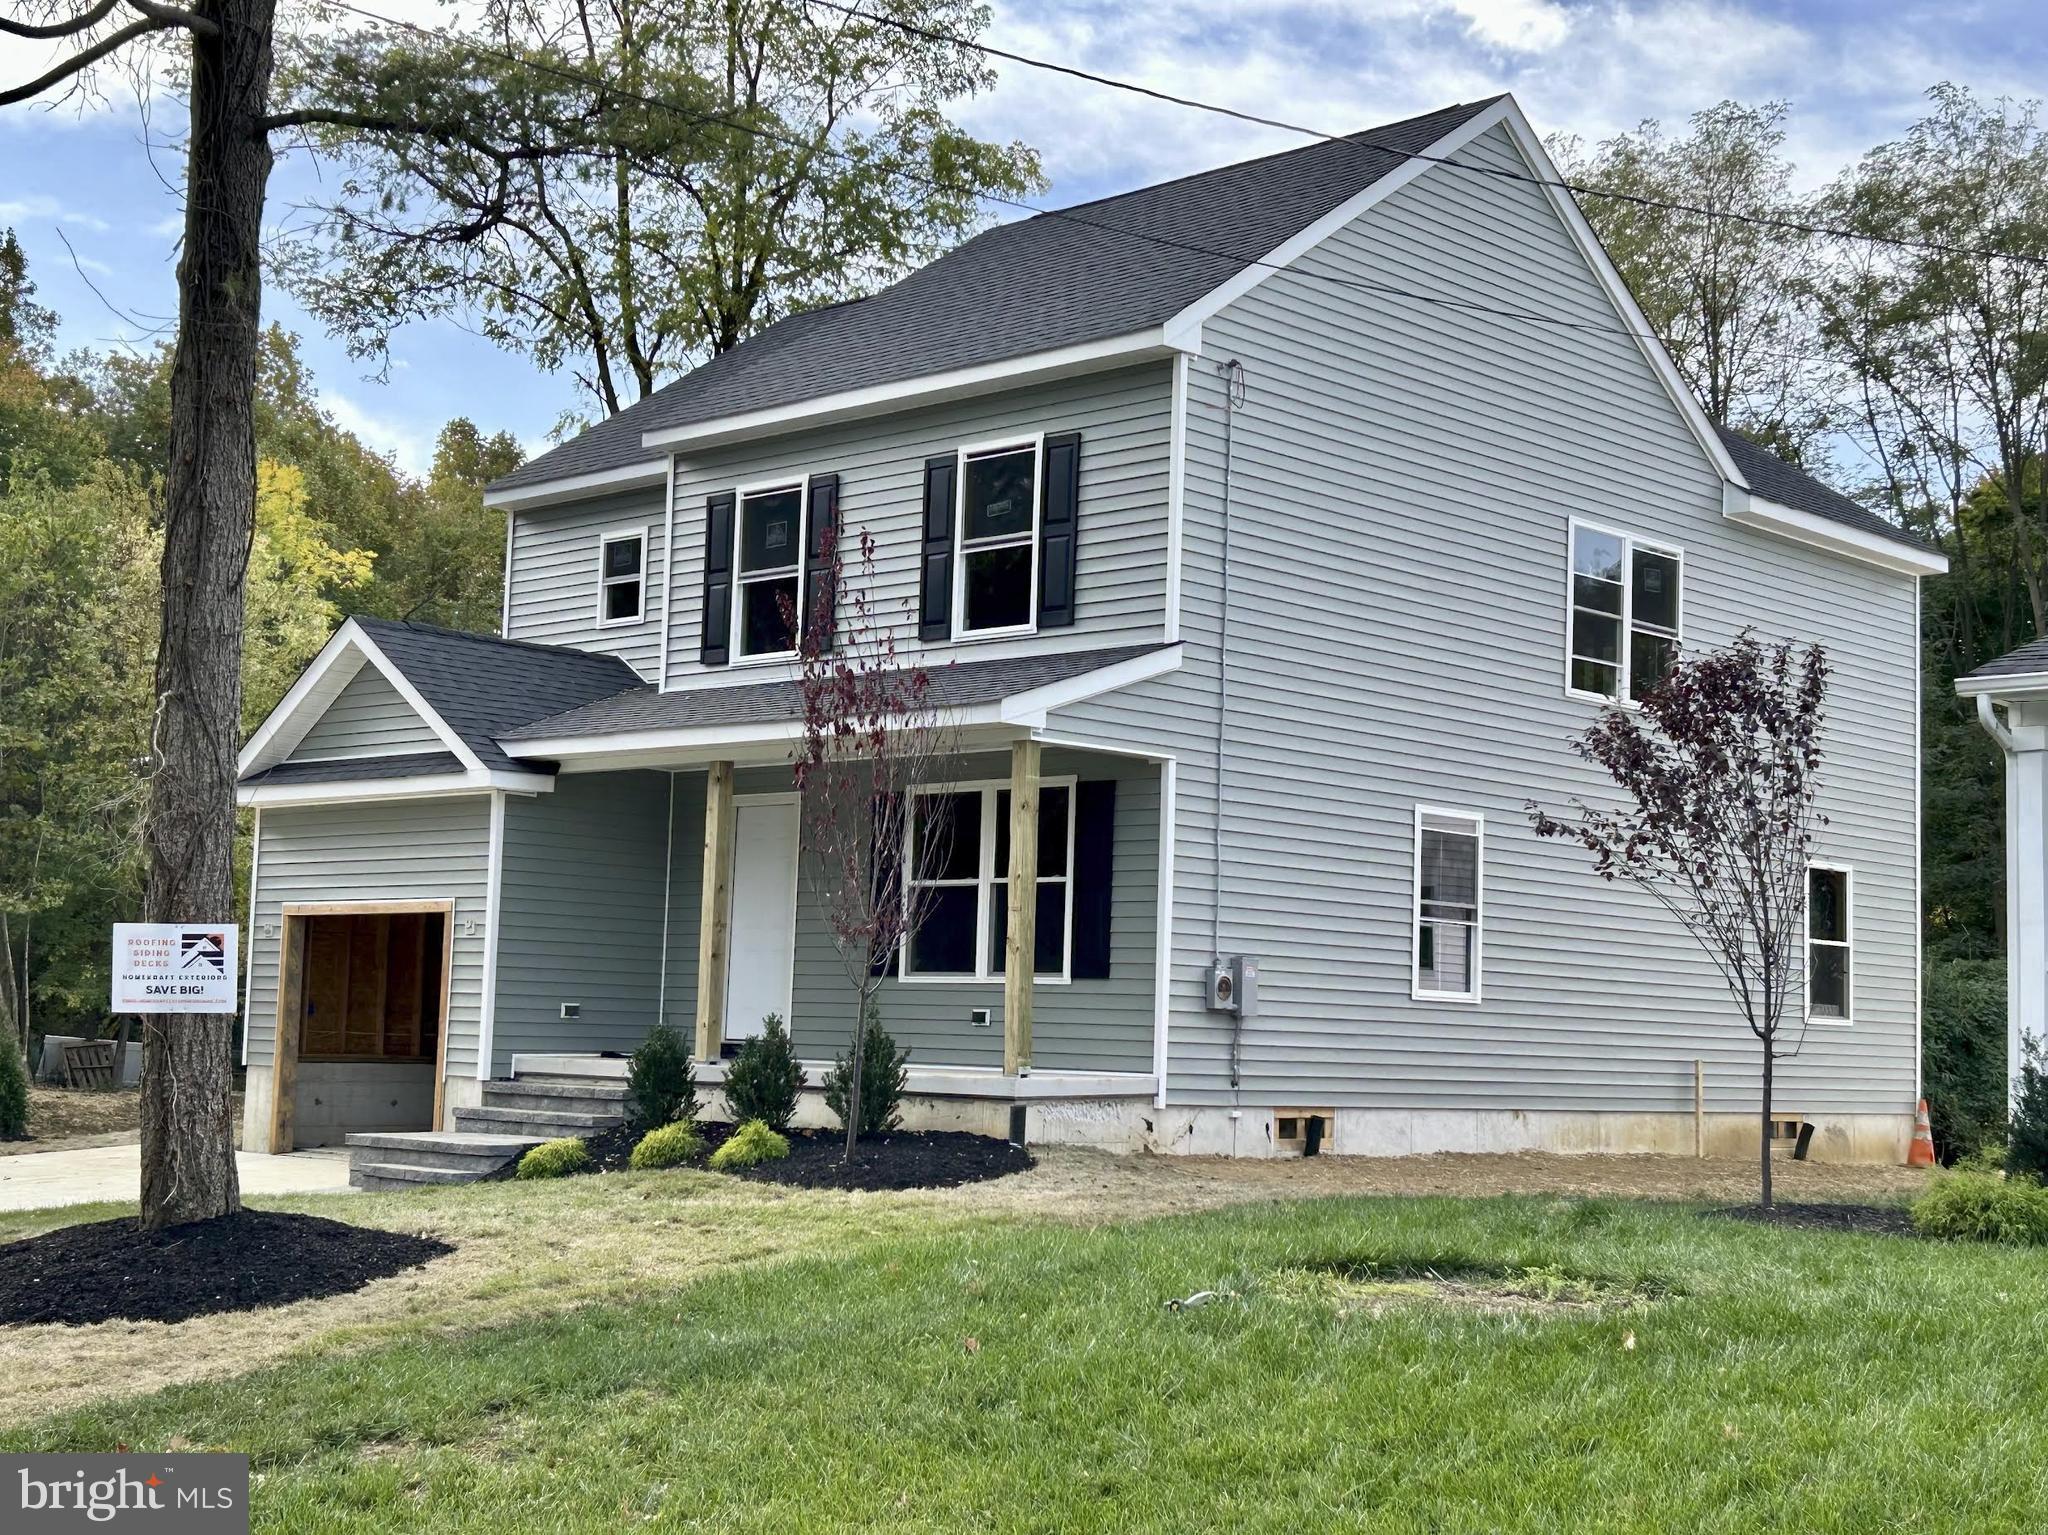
[(420, 626)]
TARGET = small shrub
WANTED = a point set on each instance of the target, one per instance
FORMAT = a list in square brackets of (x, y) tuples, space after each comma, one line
[(661, 1081), (753, 1143), (2026, 1147), (883, 1076), (669, 1146), (13, 1088), (554, 1159), (764, 1079), (1981, 1207), (1963, 1012)]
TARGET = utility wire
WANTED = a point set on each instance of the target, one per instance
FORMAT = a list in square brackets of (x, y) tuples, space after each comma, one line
[(1360, 284), (1784, 223)]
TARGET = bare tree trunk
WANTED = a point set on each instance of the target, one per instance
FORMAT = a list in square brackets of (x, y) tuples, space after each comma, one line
[(10, 1006), (1766, 1150), (188, 1158), (860, 1050)]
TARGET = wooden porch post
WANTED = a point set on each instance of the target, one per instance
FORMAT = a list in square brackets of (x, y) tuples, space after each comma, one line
[(714, 937), (1022, 944)]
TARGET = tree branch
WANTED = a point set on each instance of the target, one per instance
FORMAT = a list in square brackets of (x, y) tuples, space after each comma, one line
[(176, 16), (76, 24), (83, 60)]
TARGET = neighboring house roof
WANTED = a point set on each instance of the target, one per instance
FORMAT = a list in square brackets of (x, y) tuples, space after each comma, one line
[(1776, 479), (483, 687), (355, 769), (2030, 660), (1059, 279), (960, 685)]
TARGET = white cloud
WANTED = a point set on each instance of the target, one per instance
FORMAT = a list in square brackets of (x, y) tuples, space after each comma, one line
[(402, 442), (47, 210)]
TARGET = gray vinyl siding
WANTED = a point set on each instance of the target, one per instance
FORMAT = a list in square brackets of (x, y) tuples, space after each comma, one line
[(435, 849), (1421, 462), (1120, 578), (553, 576), (1094, 1025), (580, 917), (368, 718)]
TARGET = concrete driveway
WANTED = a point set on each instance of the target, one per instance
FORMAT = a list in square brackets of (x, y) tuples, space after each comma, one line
[(37, 1180)]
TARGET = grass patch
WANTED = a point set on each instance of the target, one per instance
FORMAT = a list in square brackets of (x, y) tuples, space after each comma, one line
[(1351, 1286), (1028, 1377)]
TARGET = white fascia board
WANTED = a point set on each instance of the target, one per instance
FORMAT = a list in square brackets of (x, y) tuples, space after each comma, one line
[(325, 676), (1030, 708), (1752, 511), (420, 786), (577, 487), (984, 378)]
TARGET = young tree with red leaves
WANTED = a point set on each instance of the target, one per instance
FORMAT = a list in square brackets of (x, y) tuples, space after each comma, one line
[(873, 733), (1720, 769)]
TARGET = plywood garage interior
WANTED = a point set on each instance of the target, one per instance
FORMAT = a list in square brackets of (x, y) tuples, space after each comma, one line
[(370, 1022)]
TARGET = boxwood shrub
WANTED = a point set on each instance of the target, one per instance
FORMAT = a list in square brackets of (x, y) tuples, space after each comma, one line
[(554, 1159), (670, 1146)]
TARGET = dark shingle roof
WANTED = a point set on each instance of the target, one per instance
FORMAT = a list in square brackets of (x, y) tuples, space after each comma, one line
[(411, 765), (1079, 274), (484, 686), (959, 685), (2029, 660), (1775, 479)]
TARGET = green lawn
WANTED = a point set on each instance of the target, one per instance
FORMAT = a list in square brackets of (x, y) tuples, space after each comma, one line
[(1028, 1376)]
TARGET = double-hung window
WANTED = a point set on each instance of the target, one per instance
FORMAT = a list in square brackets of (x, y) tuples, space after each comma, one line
[(1625, 607), (1449, 871), (957, 855), (997, 530), (1830, 936), (621, 563), (768, 595)]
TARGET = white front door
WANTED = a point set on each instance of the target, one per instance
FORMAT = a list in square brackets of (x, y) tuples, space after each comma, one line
[(762, 964)]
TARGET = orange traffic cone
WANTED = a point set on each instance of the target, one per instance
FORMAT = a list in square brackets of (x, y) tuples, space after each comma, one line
[(1921, 1153)]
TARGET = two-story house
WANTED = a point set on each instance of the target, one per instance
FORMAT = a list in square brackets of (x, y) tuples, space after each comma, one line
[(1281, 524)]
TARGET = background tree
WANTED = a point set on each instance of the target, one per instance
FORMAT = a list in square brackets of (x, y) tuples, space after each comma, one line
[(873, 732), (1719, 772), (709, 166), (1726, 296)]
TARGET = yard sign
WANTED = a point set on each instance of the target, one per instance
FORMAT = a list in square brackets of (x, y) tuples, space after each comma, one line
[(174, 967)]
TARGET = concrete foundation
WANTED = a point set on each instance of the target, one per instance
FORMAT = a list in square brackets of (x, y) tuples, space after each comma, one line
[(362, 1103)]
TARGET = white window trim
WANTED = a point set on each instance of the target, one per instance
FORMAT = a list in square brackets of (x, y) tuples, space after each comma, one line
[(1847, 943), (802, 485), (1035, 441), (1630, 542), (606, 583), (991, 885), (1416, 991)]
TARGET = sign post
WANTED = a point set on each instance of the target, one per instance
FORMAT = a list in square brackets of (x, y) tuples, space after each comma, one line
[(174, 967)]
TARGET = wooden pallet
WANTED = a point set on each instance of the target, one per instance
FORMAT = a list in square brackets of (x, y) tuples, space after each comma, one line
[(90, 1065)]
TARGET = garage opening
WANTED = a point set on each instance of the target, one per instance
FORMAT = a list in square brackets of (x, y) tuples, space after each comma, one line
[(368, 992)]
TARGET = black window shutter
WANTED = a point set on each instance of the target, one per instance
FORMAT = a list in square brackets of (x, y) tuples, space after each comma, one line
[(715, 646), (935, 583), (1094, 870), (889, 867), (821, 600), (1058, 530)]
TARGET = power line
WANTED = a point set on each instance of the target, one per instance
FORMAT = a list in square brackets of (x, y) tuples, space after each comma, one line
[(1359, 284), (1783, 223)]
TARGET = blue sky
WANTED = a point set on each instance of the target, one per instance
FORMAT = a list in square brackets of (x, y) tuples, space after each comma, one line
[(1852, 69)]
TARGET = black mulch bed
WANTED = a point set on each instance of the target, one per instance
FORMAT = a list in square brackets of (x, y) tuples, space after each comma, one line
[(902, 1159), (113, 1270), (1871, 1220)]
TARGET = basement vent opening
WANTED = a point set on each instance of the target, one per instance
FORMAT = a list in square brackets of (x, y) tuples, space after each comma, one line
[(1309, 1130)]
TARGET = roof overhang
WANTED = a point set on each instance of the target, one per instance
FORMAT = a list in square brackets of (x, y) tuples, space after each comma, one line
[(2017, 687), (1150, 344), (772, 741), (348, 650), (577, 487), (1753, 511)]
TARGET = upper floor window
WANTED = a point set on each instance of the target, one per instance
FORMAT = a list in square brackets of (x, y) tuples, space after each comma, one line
[(960, 852), (1829, 942), (1625, 612), (622, 586), (1000, 498), (769, 591), (1449, 870)]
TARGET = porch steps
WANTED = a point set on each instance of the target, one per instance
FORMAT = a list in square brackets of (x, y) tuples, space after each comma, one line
[(517, 1114)]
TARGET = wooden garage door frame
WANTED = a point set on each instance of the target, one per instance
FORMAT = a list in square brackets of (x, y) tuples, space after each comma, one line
[(291, 1001)]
